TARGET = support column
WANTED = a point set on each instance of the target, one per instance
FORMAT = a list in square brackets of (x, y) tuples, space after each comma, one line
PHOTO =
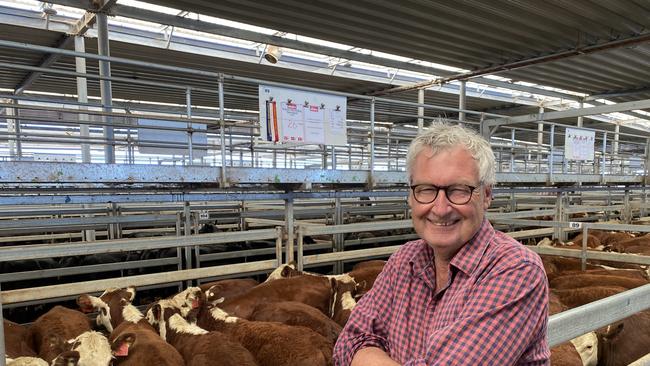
[(84, 127), (188, 104), (82, 97), (580, 118), (105, 85), (462, 101), (13, 127), (222, 130), (289, 224), (420, 110), (540, 141), (371, 163)]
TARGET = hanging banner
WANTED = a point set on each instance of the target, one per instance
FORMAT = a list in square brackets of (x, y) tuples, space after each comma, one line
[(579, 144), (296, 116)]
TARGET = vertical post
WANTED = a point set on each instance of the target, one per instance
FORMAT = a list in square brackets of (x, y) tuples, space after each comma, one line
[(583, 250), (462, 101), (580, 118), (627, 210), (187, 251), (2, 334), (188, 104), (420, 110), (105, 85), (13, 126), (289, 225), (540, 139), (551, 158), (602, 159), (338, 239), (222, 130), (278, 245), (82, 97), (512, 152), (300, 261), (333, 157), (372, 144)]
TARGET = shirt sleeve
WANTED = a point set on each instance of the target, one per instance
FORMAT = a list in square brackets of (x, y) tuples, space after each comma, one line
[(368, 323), (504, 315)]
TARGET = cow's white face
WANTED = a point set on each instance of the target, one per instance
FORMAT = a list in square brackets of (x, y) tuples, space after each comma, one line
[(103, 312), (587, 347), (93, 348)]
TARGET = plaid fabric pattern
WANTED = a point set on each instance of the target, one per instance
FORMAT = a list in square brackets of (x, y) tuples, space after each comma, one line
[(493, 310)]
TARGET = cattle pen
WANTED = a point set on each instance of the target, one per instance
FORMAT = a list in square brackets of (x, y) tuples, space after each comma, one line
[(167, 145)]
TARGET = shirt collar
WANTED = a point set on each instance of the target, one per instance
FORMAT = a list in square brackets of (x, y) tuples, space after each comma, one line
[(466, 260), (469, 256)]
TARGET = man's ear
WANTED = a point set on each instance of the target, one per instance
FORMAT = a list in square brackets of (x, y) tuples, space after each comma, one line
[(487, 199)]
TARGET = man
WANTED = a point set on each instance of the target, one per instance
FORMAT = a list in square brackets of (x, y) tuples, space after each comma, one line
[(464, 294)]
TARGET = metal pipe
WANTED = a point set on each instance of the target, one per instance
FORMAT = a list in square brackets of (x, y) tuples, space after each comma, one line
[(105, 85), (222, 132), (420, 110), (371, 166), (188, 103), (462, 100), (82, 96)]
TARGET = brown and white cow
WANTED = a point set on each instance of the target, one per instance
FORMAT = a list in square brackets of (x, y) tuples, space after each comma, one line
[(297, 313), (17, 340), (588, 280), (271, 343), (51, 330), (228, 288), (25, 361), (197, 346), (88, 349), (624, 342), (132, 338)]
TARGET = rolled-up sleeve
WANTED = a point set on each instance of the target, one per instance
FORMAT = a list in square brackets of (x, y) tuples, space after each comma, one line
[(367, 325)]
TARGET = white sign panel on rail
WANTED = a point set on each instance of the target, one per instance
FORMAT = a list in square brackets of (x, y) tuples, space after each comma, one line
[(579, 144), (175, 135), (297, 116)]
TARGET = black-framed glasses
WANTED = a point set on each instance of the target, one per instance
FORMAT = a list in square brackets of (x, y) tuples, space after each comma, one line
[(458, 194)]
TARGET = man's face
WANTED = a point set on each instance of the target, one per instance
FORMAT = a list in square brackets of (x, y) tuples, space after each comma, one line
[(445, 226)]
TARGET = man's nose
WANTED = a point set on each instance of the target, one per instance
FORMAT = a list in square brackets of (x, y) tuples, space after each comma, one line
[(441, 205)]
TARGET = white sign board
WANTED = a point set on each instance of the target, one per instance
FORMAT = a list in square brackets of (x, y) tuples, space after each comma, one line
[(296, 116), (152, 136), (579, 144)]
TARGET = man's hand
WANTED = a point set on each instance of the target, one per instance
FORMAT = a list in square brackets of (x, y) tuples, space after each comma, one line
[(372, 356)]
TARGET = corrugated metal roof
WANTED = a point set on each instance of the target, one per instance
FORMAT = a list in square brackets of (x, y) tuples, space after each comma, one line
[(471, 34)]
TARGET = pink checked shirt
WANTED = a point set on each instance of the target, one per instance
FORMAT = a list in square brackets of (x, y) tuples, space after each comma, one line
[(493, 310)]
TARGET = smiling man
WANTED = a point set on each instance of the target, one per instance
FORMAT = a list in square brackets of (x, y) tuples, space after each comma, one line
[(464, 294)]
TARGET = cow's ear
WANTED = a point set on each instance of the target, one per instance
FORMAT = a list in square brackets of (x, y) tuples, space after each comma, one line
[(131, 291), (613, 331), (156, 310), (66, 358), (85, 303), (121, 344)]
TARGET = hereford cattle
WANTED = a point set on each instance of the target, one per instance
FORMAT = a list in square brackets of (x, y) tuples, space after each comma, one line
[(271, 343), (297, 313), (630, 273), (197, 346), (344, 300), (370, 263), (624, 342), (364, 277), (88, 349), (575, 297), (228, 288), (564, 354), (51, 330), (132, 338), (315, 291), (641, 241), (68, 358), (592, 242), (587, 280), (17, 340), (25, 361)]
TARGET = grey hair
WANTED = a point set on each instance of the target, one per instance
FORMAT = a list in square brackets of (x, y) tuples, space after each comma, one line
[(442, 136)]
